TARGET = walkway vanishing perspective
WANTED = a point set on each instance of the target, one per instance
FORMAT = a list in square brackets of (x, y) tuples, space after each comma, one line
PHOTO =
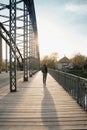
[(38, 107)]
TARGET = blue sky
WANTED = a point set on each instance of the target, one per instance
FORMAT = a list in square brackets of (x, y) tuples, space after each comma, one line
[(62, 27)]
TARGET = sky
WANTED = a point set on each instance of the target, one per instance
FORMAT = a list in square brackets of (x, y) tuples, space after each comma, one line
[(62, 27)]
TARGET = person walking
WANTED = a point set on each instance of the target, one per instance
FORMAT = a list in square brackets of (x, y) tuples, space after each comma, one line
[(44, 71)]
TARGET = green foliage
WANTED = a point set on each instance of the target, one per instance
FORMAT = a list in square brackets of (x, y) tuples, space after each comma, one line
[(4, 65), (78, 73), (80, 65), (79, 61)]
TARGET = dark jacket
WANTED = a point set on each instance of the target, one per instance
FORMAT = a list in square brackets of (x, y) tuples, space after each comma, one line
[(44, 69)]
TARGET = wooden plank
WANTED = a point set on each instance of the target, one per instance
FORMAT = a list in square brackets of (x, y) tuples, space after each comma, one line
[(37, 107)]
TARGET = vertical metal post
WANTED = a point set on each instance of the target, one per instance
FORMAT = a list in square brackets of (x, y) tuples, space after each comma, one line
[(30, 48), (37, 65), (37, 52), (28, 43), (29, 53), (13, 55), (25, 44), (0, 53), (6, 59)]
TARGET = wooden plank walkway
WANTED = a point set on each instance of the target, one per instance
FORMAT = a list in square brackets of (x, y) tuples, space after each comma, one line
[(38, 107)]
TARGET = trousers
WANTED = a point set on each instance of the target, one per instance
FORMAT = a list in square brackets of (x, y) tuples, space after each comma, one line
[(44, 77)]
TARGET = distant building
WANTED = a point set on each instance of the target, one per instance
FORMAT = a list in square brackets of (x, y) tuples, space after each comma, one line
[(64, 63)]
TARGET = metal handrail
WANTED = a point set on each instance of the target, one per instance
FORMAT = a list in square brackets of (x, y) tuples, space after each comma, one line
[(76, 86)]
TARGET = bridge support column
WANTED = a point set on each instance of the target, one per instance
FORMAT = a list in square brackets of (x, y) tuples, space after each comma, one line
[(0, 54), (31, 48), (25, 44), (6, 60), (13, 36)]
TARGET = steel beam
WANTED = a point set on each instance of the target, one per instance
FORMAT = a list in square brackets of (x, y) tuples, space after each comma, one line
[(25, 44), (0, 53), (13, 36), (6, 60), (18, 29)]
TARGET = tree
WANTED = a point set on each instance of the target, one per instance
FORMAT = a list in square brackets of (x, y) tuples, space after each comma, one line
[(79, 61), (51, 60), (45, 60)]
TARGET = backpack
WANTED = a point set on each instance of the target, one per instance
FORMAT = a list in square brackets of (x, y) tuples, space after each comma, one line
[(44, 69)]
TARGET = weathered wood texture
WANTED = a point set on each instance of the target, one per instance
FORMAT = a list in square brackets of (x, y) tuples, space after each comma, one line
[(38, 107)]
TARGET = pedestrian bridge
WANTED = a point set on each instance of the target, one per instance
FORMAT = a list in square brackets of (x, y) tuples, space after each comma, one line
[(32, 106), (38, 107)]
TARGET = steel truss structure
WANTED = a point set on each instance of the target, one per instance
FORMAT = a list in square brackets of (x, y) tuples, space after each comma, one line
[(25, 43), (18, 28)]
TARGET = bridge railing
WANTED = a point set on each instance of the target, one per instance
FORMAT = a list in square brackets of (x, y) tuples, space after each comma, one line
[(75, 85)]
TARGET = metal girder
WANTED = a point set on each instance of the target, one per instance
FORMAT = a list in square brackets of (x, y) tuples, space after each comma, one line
[(31, 10), (13, 55), (21, 36), (6, 58), (0, 53), (30, 47), (34, 58), (8, 42), (25, 44)]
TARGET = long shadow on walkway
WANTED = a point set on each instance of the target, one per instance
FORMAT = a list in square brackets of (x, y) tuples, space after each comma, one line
[(49, 113)]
